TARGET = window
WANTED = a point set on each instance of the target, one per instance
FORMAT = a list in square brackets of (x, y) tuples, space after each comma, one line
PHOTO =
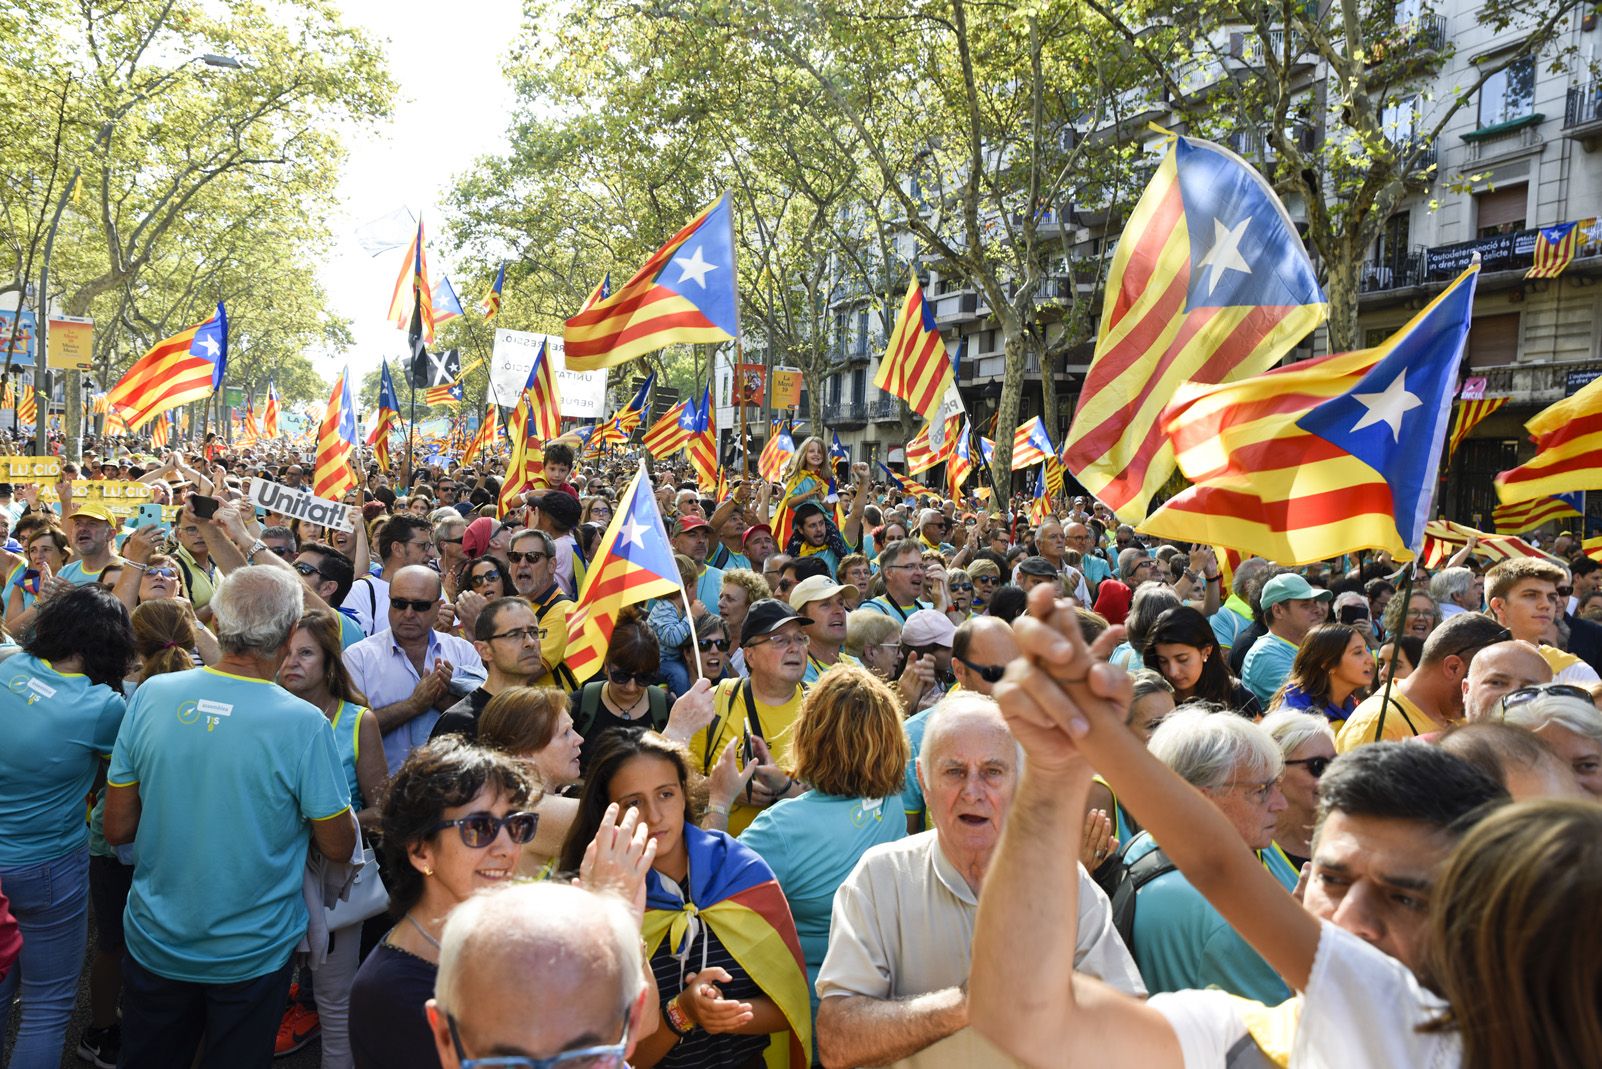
[(1493, 340), (833, 390), (1391, 246), (862, 331), (859, 386), (1501, 211), (1508, 94), (1399, 121)]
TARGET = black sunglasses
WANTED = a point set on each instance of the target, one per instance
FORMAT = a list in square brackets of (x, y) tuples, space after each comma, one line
[(484, 577), (990, 673), (719, 644), (307, 569), (416, 605), (533, 558), (621, 678), (1315, 765), (1523, 695), (480, 829)]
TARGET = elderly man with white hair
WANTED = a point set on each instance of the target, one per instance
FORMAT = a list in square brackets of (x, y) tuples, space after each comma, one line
[(220, 778), (1180, 941), (539, 971), (1565, 718), (1457, 590), (892, 988)]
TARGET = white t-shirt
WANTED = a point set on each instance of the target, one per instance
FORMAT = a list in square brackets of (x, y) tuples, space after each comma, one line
[(369, 600), (1361, 1010)]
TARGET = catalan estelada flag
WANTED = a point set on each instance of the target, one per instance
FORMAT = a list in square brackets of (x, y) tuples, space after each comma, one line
[(733, 892), (703, 443), (960, 464), (1554, 250), (1568, 443), (388, 417), (1031, 444), (491, 304), (544, 396), (527, 458), (185, 367), (838, 451), (922, 454), (332, 474), (448, 394), (1528, 515), (633, 563), (1324, 457), (269, 413), (902, 483), (447, 306), (633, 412), (413, 292), (776, 453), (1443, 538), (161, 431), (916, 366), (1471, 414), (487, 430), (1210, 283), (684, 293), (602, 290), (1592, 547), (672, 432), (1040, 504)]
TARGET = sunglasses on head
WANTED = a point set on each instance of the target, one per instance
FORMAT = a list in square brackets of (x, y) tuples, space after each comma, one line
[(480, 829), (719, 644), (1315, 765), (1523, 695), (414, 604), (990, 673), (533, 557), (622, 678)]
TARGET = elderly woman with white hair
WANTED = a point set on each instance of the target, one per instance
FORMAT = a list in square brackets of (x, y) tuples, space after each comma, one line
[(1179, 941), (1565, 718), (1308, 745)]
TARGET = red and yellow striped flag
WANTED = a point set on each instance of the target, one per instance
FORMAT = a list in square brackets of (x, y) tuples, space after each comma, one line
[(916, 366), (183, 368), (485, 438), (544, 396), (269, 413), (1568, 442), (412, 288), (9, 400), (1210, 283), (28, 407), (922, 454), (1554, 250), (1471, 414), (1443, 538), (161, 431), (668, 435), (332, 473), (1528, 515)]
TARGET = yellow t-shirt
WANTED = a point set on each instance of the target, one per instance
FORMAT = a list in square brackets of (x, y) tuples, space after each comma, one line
[(732, 714), (553, 647), (1404, 721)]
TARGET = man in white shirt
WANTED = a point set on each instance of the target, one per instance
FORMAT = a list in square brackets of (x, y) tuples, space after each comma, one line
[(402, 541)]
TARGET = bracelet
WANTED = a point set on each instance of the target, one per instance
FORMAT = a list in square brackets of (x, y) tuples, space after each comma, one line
[(135, 565), (720, 810), (1211, 578), (676, 1019)]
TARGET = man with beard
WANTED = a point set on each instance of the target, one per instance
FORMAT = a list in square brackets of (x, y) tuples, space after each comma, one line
[(507, 638), (533, 563)]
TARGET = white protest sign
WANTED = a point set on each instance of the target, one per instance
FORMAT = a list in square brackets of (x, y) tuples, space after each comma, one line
[(299, 505), (583, 392)]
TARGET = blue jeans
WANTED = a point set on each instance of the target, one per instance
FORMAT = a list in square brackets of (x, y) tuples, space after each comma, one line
[(51, 904)]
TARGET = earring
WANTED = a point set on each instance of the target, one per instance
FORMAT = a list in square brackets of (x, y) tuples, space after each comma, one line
[(428, 872)]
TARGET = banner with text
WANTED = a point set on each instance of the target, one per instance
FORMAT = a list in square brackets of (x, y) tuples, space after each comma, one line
[(583, 392)]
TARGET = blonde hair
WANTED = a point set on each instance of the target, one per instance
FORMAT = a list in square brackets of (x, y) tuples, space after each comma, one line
[(865, 628), (798, 459), (848, 741), (756, 588)]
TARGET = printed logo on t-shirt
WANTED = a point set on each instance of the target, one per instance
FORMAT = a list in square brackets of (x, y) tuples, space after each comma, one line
[(31, 688), (867, 809), (213, 712)]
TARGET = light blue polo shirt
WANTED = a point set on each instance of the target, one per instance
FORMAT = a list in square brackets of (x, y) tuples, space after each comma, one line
[(816, 668), (709, 586), (1267, 665), (230, 771), (911, 789), (57, 727), (74, 573)]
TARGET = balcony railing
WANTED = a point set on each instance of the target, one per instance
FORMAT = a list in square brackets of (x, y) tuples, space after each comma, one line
[(848, 412), (1584, 105), (1499, 252), (882, 409), (1413, 39)]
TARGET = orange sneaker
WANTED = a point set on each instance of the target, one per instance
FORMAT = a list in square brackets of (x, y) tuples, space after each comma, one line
[(298, 1028)]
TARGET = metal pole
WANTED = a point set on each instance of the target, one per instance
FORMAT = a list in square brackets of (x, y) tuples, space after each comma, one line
[(41, 434)]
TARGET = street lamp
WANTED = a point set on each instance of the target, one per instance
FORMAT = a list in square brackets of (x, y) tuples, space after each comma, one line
[(72, 421)]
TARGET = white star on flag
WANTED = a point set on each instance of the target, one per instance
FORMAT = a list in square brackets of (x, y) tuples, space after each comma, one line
[(695, 267), (209, 343), (632, 533), (1225, 253), (1388, 406)]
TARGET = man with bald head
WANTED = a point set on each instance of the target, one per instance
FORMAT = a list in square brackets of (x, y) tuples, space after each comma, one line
[(1498, 670), (409, 672), (892, 988), (538, 970)]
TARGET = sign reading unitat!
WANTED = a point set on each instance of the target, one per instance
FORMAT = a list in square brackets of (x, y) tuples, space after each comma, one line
[(300, 505)]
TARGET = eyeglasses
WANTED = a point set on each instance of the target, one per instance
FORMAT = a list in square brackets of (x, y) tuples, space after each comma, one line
[(426, 544), (1315, 765), (161, 573), (478, 830), (1524, 695), (622, 678), (533, 558), (282, 551), (719, 644), (961, 586), (449, 541), (784, 642), (917, 566), (523, 634), (416, 605), (990, 673), (305, 569), (930, 651), (483, 578), (603, 1057), (1259, 793)]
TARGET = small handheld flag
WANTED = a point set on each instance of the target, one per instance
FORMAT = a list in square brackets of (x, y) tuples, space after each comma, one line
[(491, 304)]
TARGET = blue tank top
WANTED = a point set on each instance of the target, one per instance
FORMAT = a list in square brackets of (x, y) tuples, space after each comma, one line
[(347, 740)]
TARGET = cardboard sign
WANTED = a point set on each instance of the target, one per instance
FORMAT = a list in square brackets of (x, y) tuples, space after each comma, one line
[(33, 469), (786, 387), (299, 505)]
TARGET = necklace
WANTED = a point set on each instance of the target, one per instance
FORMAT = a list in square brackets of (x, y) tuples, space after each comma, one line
[(422, 931), (627, 714)]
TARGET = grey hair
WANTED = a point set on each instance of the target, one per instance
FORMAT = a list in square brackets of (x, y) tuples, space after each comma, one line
[(1290, 728), (1149, 602), (1147, 683), (444, 516), (1127, 559), (547, 544), (532, 923), (1348, 597), (1580, 717), (256, 608), (1450, 583), (955, 706), (1214, 749)]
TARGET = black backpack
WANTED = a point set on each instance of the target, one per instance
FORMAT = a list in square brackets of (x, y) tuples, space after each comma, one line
[(1124, 882), (588, 703)]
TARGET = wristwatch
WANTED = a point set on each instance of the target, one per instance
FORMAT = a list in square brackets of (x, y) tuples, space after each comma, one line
[(255, 548)]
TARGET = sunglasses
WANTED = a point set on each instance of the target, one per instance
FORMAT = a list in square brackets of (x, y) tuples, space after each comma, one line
[(1315, 765), (402, 604), (719, 644), (161, 573), (609, 1056), (306, 569), (1524, 695), (483, 578), (478, 830), (622, 678), (533, 558), (990, 673), (961, 586)]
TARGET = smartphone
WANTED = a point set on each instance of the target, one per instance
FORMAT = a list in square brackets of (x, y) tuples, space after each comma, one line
[(1350, 614), (202, 506), (150, 516)]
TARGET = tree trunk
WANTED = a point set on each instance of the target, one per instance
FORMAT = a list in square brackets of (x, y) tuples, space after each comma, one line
[(1340, 287), (1016, 348)]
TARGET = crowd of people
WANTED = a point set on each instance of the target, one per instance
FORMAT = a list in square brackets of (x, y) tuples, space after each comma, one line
[(908, 782)]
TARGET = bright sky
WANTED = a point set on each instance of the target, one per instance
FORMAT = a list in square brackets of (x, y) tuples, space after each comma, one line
[(453, 105)]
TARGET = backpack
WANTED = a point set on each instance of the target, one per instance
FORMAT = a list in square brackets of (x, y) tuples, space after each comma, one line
[(1124, 882), (589, 703)]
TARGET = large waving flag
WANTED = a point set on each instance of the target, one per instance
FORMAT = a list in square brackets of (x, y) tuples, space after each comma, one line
[(1324, 457), (1554, 250), (633, 412), (269, 413), (1528, 515), (388, 416), (1471, 414), (1568, 442), (332, 474), (1443, 538), (544, 396), (1031, 444), (776, 453), (684, 293), (922, 453), (186, 367), (412, 302), (916, 366), (673, 431), (491, 304), (733, 891), (633, 563), (1210, 283)]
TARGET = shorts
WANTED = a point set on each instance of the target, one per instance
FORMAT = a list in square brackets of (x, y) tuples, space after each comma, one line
[(109, 883)]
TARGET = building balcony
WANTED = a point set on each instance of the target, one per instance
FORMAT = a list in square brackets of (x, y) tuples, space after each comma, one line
[(1507, 255), (1253, 50), (1537, 384), (1417, 40), (857, 354), (885, 408), (847, 414), (1494, 144), (1582, 114)]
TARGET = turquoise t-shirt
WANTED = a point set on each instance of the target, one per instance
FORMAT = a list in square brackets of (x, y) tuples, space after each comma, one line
[(816, 668), (58, 727), (885, 607), (350, 632), (1268, 664), (1182, 943), (911, 789), (230, 771), (347, 725), (74, 572), (812, 842)]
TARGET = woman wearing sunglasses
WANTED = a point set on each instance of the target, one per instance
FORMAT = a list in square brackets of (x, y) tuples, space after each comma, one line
[(622, 694), (1332, 672), (454, 820), (959, 587), (486, 577), (713, 645), (1308, 744)]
